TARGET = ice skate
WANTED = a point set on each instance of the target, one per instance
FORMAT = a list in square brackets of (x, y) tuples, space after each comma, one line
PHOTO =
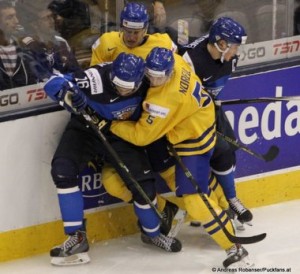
[(72, 252), (244, 216), (166, 243), (237, 256), (236, 223), (168, 215)]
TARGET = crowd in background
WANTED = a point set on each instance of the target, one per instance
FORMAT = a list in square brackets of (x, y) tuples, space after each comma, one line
[(55, 29)]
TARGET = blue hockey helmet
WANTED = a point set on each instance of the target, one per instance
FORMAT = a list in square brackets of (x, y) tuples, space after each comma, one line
[(127, 71), (134, 16), (225, 28), (160, 62)]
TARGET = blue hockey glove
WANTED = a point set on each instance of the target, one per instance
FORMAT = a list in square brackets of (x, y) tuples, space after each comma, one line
[(70, 97), (62, 90), (79, 100)]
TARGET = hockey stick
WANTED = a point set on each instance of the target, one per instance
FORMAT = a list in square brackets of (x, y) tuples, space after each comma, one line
[(258, 100), (267, 157), (232, 238), (96, 123)]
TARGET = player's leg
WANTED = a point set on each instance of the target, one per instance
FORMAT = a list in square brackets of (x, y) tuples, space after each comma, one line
[(75, 149), (198, 165), (216, 190), (223, 164), (164, 164), (137, 162), (114, 185)]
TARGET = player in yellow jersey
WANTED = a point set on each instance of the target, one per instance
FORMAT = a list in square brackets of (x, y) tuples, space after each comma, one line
[(176, 106), (132, 38)]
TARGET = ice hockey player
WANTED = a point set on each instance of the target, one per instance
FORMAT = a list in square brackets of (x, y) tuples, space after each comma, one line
[(176, 105), (133, 38), (214, 57), (115, 90)]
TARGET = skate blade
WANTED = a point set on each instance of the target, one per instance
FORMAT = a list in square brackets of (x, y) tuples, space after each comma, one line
[(244, 263), (76, 259), (178, 221), (240, 226), (248, 223)]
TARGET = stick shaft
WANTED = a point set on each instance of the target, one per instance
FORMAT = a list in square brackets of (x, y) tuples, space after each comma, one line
[(259, 100)]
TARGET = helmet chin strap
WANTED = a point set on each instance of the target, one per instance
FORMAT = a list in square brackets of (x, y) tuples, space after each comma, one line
[(222, 51)]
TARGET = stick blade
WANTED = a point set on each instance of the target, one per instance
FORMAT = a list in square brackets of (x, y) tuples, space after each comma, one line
[(271, 154), (247, 240)]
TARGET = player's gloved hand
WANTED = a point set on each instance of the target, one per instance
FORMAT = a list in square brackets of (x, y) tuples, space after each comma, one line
[(72, 98), (79, 100), (106, 126), (102, 123)]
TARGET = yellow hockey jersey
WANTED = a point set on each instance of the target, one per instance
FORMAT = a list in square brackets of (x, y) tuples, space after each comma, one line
[(179, 109), (110, 45)]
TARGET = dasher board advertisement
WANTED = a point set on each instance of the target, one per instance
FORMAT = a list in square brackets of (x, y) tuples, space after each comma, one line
[(261, 125)]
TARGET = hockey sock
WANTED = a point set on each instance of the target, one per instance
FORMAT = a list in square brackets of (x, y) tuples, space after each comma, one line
[(161, 202), (198, 210), (217, 193), (71, 207), (169, 178), (148, 219), (114, 185), (227, 183)]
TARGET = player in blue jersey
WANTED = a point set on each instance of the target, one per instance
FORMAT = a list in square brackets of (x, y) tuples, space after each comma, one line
[(214, 57), (114, 90)]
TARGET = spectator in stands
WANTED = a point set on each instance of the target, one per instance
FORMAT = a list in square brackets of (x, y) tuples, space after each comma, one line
[(72, 16), (73, 22), (15, 67), (49, 49), (158, 20)]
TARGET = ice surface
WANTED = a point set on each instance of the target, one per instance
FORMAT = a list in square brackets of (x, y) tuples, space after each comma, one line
[(128, 255)]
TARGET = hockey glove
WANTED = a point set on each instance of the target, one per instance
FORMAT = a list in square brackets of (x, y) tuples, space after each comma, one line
[(79, 99), (73, 99)]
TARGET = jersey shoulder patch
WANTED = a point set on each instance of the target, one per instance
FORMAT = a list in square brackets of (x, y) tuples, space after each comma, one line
[(156, 110)]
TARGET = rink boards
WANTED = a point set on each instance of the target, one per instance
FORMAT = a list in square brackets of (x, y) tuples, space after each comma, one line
[(30, 215)]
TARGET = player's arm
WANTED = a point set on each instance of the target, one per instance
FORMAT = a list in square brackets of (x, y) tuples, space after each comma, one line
[(155, 122), (62, 89)]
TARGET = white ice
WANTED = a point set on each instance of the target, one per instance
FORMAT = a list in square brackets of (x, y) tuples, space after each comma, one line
[(128, 255)]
